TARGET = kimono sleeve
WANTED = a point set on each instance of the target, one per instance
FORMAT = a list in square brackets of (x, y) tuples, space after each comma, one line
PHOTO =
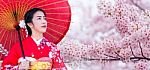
[(11, 59), (58, 63)]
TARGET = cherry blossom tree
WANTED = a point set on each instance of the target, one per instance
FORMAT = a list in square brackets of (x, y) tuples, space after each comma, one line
[(130, 52), (114, 37)]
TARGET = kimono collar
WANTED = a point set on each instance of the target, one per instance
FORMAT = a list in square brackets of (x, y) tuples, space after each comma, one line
[(37, 41), (40, 42)]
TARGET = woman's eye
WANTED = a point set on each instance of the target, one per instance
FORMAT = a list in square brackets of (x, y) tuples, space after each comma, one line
[(38, 18)]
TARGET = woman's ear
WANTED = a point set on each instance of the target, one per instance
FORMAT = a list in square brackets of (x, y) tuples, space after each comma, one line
[(30, 25)]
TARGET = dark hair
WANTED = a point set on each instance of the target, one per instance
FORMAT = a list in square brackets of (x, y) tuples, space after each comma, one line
[(29, 16)]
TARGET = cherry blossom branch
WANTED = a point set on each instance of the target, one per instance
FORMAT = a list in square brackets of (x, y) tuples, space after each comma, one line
[(132, 51), (116, 59), (119, 55), (105, 59), (137, 5), (141, 50), (110, 56)]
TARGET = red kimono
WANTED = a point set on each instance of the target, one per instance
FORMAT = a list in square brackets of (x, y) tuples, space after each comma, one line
[(31, 49)]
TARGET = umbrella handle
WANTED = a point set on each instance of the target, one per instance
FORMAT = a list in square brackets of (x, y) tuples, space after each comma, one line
[(21, 46)]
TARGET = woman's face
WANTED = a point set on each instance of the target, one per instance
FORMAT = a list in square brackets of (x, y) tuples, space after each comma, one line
[(39, 22)]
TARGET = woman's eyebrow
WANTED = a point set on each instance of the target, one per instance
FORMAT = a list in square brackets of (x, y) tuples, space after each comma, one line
[(41, 16)]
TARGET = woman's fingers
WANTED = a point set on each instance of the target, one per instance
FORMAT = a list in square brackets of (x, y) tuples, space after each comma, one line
[(26, 59)]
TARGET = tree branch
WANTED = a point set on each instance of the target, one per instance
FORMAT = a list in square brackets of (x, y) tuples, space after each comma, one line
[(131, 58), (137, 5), (110, 56), (132, 51), (119, 55), (141, 50)]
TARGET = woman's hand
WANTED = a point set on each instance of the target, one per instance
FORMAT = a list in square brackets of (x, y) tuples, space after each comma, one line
[(26, 59), (25, 63)]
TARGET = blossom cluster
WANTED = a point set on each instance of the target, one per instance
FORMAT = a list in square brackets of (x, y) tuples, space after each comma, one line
[(132, 22)]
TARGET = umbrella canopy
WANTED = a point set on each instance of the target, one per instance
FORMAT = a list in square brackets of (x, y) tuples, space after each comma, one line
[(58, 15)]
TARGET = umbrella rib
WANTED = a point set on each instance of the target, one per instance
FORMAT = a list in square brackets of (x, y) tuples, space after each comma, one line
[(2, 35), (5, 16), (27, 1), (6, 11), (26, 7), (60, 13), (55, 31), (52, 36), (6, 35), (23, 8), (5, 7), (58, 19), (58, 25), (15, 37), (57, 8), (52, 3), (14, 40), (36, 3), (1, 30), (10, 41), (32, 2), (6, 25), (19, 11), (16, 10)]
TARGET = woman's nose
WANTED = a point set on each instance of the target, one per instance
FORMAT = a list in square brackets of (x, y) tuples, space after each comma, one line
[(44, 21)]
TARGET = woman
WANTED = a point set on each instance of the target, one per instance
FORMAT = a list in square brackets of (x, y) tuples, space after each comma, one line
[(35, 45)]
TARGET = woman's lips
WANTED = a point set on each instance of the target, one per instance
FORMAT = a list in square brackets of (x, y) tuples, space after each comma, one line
[(44, 26)]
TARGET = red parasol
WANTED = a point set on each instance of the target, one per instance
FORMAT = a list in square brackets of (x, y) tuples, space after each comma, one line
[(12, 12)]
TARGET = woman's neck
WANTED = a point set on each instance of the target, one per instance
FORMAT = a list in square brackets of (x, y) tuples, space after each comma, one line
[(37, 36)]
